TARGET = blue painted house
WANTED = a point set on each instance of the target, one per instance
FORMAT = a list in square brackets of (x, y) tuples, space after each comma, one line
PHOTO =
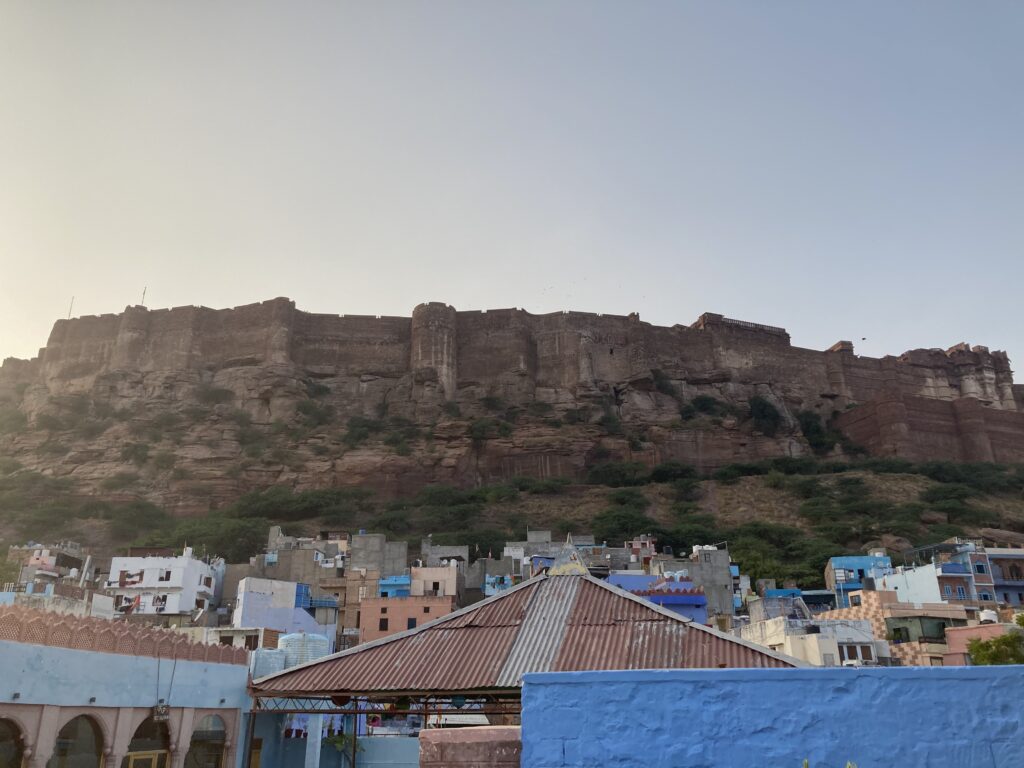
[(674, 594), (846, 574)]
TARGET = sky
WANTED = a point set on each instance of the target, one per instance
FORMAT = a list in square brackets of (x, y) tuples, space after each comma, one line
[(845, 170)]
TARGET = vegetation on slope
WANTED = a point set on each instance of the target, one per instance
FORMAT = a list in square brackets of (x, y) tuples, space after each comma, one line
[(783, 518)]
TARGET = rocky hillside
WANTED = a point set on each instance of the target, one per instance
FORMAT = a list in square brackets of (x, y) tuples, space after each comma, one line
[(189, 409)]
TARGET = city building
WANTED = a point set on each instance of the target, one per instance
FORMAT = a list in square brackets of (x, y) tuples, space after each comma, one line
[(710, 568), (286, 607), (440, 581), (383, 616), (673, 592), (168, 585), (847, 573), (125, 695), (787, 625), (915, 631), (60, 597)]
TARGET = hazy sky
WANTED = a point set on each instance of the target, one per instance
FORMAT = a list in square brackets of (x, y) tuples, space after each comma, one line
[(845, 170)]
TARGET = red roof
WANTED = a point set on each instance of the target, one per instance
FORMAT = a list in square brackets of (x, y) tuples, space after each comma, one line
[(547, 624)]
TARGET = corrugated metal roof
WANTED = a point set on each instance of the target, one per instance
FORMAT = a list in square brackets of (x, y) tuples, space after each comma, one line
[(552, 623)]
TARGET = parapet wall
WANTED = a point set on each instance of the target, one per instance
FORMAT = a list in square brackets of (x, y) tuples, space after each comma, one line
[(941, 717), (506, 351)]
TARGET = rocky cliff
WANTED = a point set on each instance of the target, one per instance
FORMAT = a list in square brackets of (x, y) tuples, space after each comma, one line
[(189, 407)]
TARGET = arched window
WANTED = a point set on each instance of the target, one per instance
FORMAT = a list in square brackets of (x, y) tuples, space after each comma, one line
[(207, 747), (150, 746), (10, 744), (79, 745)]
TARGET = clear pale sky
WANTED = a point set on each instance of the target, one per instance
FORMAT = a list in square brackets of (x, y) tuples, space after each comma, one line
[(845, 170)]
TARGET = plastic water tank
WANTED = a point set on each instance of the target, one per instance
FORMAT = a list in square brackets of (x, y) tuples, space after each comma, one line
[(267, 661), (988, 617), (301, 647)]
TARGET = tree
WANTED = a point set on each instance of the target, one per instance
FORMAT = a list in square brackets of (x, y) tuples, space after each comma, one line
[(1005, 649)]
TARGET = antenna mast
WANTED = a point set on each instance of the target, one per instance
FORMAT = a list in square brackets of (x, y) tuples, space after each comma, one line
[(70, 306), (144, 295)]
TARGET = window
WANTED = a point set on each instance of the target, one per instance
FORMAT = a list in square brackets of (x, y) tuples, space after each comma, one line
[(866, 654), (410, 623), (227, 640), (979, 568), (165, 576), (426, 609), (986, 596), (947, 591), (252, 642), (382, 625), (437, 586), (1006, 597), (854, 599), (935, 661), (961, 593), (383, 610)]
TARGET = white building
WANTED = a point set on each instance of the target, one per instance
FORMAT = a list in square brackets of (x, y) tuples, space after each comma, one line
[(164, 585), (821, 642), (284, 606)]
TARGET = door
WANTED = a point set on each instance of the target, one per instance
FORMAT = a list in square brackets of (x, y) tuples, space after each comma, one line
[(147, 760)]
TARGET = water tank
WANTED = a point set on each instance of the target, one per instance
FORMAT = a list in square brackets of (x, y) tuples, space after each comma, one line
[(301, 647), (267, 661), (988, 617)]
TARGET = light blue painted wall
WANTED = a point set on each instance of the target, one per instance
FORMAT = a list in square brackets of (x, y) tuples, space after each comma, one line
[(377, 751), (942, 717), (65, 677)]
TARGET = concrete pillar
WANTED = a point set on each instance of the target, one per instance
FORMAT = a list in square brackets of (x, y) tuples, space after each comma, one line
[(314, 737)]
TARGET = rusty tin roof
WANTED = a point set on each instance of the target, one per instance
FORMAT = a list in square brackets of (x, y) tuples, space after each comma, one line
[(546, 624)]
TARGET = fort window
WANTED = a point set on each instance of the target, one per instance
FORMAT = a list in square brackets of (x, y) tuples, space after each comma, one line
[(426, 609), (383, 610), (410, 623), (382, 625)]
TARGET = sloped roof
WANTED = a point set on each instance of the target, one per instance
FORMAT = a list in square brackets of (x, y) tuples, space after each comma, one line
[(546, 624)]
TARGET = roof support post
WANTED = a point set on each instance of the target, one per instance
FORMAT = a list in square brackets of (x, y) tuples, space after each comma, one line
[(314, 735)]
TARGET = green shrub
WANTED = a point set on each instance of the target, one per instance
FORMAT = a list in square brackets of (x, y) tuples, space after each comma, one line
[(618, 474), (49, 422), (663, 383), (211, 395), (137, 453), (610, 423), (688, 489), (539, 408), (164, 460), (119, 481), (775, 479), (711, 406), (619, 524), (672, 470), (8, 466), (821, 440), (315, 414), (315, 389), (687, 412), (11, 420), (488, 429), (492, 403), (577, 416), (91, 429), (548, 487), (948, 492), (360, 429), (629, 497), (765, 415)]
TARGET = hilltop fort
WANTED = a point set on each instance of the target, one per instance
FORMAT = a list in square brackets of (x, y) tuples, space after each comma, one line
[(242, 398)]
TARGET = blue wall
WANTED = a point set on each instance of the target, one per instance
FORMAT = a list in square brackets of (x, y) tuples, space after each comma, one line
[(376, 752), (942, 717), (48, 675)]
